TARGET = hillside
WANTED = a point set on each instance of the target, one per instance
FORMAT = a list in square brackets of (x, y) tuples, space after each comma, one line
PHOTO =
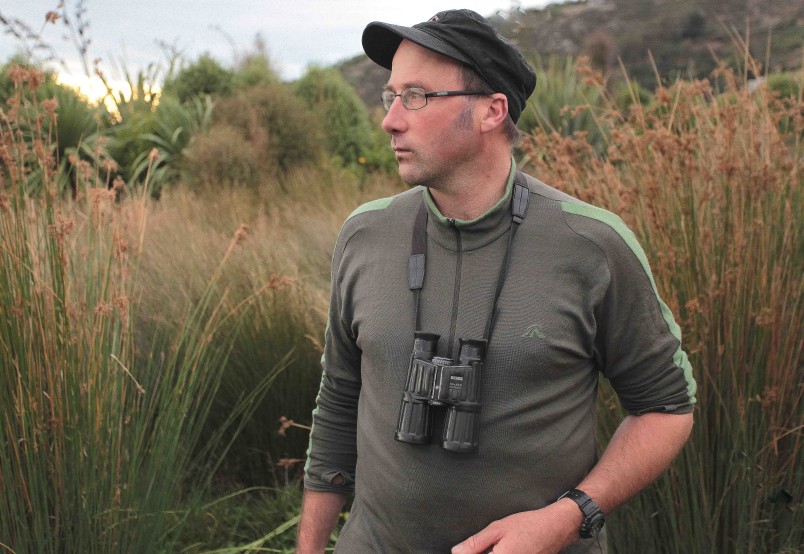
[(684, 36)]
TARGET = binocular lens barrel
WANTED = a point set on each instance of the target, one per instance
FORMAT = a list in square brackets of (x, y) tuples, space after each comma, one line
[(433, 382), (414, 422), (461, 431), (413, 425)]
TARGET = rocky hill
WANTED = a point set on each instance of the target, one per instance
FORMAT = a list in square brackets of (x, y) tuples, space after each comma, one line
[(683, 37)]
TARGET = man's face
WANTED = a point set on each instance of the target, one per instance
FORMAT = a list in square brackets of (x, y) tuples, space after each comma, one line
[(432, 142)]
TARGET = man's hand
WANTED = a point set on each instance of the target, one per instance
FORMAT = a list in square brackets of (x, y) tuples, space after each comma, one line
[(638, 452), (543, 531)]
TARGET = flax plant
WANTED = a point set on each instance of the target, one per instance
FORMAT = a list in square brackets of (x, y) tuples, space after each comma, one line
[(710, 183), (96, 439)]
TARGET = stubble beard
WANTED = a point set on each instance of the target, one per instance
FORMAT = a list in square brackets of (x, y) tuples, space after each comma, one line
[(426, 172)]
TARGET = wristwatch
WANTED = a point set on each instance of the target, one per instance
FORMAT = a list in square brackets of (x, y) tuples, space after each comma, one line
[(593, 519)]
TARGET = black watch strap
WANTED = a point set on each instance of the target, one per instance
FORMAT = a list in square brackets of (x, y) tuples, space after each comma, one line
[(593, 518)]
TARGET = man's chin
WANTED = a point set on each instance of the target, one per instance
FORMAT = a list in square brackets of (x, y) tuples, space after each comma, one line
[(408, 176)]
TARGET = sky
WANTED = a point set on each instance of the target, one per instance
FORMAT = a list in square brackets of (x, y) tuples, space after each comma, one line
[(297, 33)]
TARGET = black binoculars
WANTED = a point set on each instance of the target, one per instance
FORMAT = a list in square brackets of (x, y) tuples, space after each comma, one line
[(433, 382)]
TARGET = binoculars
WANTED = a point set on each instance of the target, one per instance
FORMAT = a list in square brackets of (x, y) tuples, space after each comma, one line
[(433, 382)]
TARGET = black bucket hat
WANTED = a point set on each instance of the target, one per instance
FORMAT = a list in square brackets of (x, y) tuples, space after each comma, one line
[(464, 36)]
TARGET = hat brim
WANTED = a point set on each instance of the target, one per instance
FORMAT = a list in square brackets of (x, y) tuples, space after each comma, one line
[(381, 40)]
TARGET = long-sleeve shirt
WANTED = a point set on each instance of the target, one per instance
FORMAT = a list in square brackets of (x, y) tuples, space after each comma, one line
[(579, 301)]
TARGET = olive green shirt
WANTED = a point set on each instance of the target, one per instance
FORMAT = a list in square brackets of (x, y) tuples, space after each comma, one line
[(578, 301)]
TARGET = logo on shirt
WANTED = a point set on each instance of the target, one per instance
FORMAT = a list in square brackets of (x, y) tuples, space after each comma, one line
[(533, 332)]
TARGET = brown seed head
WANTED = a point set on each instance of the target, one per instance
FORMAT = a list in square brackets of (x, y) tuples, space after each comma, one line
[(104, 309), (84, 169), (288, 463), (121, 303), (52, 17), (109, 165), (51, 106), (17, 74), (35, 79), (284, 425), (241, 234)]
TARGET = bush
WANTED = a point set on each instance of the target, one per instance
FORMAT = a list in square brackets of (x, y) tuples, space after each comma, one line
[(204, 77), (222, 155), (786, 85), (339, 110), (276, 124)]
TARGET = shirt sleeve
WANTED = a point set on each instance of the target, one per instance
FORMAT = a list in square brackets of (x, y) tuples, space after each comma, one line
[(332, 454), (637, 342)]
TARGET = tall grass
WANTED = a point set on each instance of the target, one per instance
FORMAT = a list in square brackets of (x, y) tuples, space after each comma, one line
[(96, 439), (292, 223), (712, 188)]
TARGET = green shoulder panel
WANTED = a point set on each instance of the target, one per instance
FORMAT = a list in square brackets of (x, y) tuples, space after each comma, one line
[(586, 210), (379, 204)]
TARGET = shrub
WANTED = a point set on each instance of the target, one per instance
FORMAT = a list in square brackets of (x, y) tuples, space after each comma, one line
[(339, 111), (204, 77), (222, 155), (277, 125)]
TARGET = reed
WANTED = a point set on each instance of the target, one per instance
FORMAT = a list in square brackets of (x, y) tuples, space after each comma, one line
[(97, 439), (708, 177)]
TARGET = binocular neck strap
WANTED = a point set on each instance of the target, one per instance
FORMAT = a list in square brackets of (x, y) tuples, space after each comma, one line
[(416, 262)]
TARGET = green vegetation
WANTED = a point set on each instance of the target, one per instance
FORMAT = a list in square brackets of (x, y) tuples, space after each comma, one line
[(337, 107), (203, 77), (164, 279)]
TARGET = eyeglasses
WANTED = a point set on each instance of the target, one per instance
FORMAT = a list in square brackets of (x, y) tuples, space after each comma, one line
[(415, 98)]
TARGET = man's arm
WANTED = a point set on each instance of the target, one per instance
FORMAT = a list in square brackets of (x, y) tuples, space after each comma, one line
[(319, 515), (641, 449)]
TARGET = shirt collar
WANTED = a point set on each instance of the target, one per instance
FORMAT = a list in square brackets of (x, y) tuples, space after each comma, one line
[(476, 232)]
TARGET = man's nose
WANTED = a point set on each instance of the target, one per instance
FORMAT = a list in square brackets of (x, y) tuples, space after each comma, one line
[(395, 121)]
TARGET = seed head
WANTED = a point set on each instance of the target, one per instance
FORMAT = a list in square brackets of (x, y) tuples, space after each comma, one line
[(17, 74), (51, 105), (104, 309), (109, 165), (35, 79), (241, 234), (121, 303)]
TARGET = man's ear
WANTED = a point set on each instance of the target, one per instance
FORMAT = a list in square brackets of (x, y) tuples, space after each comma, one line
[(496, 113)]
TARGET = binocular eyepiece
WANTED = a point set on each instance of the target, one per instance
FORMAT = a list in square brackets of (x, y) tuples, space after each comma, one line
[(433, 382)]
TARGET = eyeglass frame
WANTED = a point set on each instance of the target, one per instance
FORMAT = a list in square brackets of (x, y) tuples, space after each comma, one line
[(388, 96)]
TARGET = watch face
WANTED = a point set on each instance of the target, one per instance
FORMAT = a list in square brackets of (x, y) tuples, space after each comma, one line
[(595, 524)]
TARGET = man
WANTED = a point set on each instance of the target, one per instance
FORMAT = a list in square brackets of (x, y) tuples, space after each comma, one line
[(559, 290)]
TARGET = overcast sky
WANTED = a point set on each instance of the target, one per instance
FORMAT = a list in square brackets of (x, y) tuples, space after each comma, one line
[(296, 32)]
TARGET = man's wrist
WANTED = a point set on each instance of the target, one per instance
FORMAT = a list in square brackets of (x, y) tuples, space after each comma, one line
[(570, 511), (592, 518)]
